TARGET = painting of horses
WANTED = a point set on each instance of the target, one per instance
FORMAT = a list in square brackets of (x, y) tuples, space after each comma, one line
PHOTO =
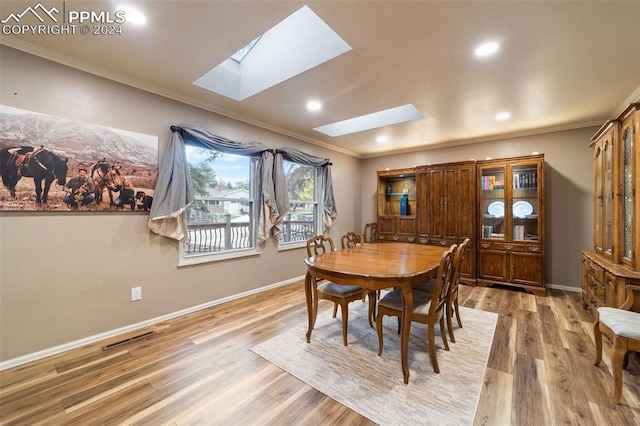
[(50, 163)]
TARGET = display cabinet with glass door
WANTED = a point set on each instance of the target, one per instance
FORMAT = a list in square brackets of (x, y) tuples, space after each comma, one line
[(511, 218), (397, 206), (613, 264)]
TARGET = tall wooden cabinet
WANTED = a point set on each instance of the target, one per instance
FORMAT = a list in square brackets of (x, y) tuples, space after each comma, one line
[(612, 264), (511, 223), (397, 205), (446, 209)]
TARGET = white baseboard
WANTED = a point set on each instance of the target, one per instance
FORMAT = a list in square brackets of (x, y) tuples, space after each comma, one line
[(108, 334)]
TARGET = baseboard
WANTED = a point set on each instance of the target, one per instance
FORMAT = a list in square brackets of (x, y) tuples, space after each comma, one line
[(98, 337), (564, 288)]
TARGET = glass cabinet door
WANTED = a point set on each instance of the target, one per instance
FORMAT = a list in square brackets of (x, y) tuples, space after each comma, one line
[(627, 194), (607, 197), (525, 205), (598, 202), (492, 202)]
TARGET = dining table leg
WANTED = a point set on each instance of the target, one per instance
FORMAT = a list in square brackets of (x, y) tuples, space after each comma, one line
[(311, 306), (407, 311)]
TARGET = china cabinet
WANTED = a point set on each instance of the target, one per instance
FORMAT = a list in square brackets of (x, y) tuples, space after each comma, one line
[(397, 205), (510, 221), (612, 264), (446, 209)]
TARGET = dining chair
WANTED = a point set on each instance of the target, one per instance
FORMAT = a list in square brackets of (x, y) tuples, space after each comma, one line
[(338, 294), (351, 239), (371, 232), (428, 308), (622, 325), (452, 297)]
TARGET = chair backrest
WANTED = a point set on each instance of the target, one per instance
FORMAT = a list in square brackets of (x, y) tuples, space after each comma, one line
[(319, 244), (442, 283), (458, 257), (371, 232), (351, 239)]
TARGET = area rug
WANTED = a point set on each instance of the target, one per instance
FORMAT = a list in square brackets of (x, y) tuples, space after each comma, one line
[(372, 385)]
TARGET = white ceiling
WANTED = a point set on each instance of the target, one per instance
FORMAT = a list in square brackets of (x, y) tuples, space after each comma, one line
[(561, 64)]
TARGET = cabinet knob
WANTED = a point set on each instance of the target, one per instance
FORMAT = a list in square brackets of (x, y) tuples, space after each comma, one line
[(443, 242), (535, 249), (485, 245), (508, 246)]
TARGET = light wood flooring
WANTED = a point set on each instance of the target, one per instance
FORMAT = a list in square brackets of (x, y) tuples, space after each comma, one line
[(198, 369)]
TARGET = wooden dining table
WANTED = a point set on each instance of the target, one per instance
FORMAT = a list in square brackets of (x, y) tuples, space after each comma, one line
[(375, 267)]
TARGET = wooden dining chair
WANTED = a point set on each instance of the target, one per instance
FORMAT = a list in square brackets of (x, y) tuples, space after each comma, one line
[(351, 239), (622, 325), (428, 308), (452, 297), (338, 294), (371, 232)]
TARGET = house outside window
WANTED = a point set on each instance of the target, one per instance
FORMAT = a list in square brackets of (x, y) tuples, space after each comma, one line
[(304, 218), (221, 220)]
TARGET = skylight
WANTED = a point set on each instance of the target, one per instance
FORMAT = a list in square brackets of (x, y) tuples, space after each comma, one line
[(240, 54), (298, 43), (374, 120)]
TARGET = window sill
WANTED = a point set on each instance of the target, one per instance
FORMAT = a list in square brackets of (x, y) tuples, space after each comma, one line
[(197, 259), (292, 246)]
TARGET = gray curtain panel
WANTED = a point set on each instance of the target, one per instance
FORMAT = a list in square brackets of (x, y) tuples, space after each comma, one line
[(174, 193)]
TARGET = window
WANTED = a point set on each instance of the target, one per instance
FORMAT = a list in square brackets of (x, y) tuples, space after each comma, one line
[(303, 219), (220, 222)]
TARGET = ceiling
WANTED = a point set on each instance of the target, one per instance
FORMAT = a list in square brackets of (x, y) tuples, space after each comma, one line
[(560, 65)]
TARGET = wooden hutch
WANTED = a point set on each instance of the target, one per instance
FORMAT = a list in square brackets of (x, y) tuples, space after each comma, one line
[(613, 262)]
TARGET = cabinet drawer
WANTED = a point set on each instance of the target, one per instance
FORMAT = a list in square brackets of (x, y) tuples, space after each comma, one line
[(508, 246), (596, 272), (533, 248), (485, 246)]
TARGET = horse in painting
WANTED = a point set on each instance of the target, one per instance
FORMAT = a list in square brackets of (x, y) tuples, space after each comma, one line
[(38, 163), (106, 176)]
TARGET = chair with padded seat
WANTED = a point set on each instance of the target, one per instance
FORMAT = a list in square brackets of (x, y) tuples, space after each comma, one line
[(338, 294), (428, 308), (622, 326), (351, 239), (371, 232), (452, 297)]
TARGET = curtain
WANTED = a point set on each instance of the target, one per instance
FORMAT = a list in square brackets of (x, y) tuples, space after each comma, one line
[(173, 190), (326, 186), (174, 193)]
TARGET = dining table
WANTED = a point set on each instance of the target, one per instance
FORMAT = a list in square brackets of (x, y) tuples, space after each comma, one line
[(375, 267)]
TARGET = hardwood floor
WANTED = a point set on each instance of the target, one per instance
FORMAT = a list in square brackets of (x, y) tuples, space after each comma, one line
[(198, 369)]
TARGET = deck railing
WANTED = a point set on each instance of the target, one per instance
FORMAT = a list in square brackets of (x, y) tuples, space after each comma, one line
[(217, 237)]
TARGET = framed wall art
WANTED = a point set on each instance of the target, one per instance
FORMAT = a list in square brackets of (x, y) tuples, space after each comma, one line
[(49, 163)]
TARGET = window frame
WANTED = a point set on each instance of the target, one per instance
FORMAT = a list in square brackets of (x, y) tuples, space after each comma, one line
[(318, 203), (185, 259)]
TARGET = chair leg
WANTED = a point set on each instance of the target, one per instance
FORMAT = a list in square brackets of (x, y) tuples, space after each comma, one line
[(618, 352), (335, 309), (449, 315), (379, 330), (457, 311), (597, 336), (443, 334), (344, 310), (432, 348)]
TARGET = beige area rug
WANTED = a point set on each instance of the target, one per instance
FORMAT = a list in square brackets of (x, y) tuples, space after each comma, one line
[(357, 377)]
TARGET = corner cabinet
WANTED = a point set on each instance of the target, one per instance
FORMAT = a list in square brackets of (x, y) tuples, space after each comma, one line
[(612, 264), (397, 205), (510, 219)]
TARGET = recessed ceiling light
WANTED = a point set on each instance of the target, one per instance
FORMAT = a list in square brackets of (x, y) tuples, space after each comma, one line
[(314, 106), (487, 49), (502, 116), (381, 139), (133, 16)]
